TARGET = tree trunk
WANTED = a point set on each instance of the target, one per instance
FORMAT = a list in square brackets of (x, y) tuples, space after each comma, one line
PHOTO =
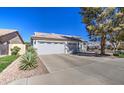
[(103, 43), (116, 46)]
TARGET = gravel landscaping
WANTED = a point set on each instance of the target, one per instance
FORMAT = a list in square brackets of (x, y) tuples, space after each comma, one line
[(12, 72)]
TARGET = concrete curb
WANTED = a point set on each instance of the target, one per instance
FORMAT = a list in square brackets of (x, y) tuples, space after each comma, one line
[(45, 64)]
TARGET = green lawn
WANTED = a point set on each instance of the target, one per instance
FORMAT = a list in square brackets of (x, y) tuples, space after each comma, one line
[(5, 61), (121, 56)]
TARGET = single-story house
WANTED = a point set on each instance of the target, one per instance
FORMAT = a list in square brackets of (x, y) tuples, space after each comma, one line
[(9, 39), (46, 43), (93, 45)]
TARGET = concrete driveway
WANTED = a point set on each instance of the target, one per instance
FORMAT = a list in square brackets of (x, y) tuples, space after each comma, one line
[(71, 69)]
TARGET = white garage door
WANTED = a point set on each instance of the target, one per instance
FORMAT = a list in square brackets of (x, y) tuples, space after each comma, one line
[(50, 48)]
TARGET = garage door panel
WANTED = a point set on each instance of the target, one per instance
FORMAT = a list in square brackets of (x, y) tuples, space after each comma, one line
[(51, 48)]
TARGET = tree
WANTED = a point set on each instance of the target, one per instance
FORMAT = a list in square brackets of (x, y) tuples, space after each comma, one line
[(27, 44), (116, 31), (121, 36), (98, 22)]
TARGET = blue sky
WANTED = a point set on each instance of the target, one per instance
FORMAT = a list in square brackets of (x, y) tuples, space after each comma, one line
[(50, 20)]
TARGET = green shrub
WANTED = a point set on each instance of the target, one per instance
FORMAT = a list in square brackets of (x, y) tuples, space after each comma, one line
[(116, 53), (29, 61), (121, 55), (15, 50), (31, 49), (27, 44), (122, 52)]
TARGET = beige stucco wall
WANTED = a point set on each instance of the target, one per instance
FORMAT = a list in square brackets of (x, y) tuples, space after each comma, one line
[(22, 46)]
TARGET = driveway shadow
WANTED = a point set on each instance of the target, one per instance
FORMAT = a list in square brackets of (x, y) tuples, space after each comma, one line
[(90, 54)]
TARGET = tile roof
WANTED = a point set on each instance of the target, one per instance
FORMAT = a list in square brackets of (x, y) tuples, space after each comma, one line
[(55, 36), (6, 31), (46, 35)]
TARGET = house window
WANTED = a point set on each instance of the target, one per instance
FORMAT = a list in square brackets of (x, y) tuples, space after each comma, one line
[(61, 43), (72, 43), (48, 42), (56, 43), (41, 42)]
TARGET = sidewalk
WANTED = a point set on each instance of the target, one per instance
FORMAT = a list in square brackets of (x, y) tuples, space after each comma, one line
[(65, 77)]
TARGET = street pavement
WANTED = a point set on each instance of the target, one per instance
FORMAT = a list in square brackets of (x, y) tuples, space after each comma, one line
[(78, 70)]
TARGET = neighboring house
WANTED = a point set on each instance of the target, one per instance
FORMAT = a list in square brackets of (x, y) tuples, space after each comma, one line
[(9, 39), (46, 43), (93, 45), (97, 45)]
